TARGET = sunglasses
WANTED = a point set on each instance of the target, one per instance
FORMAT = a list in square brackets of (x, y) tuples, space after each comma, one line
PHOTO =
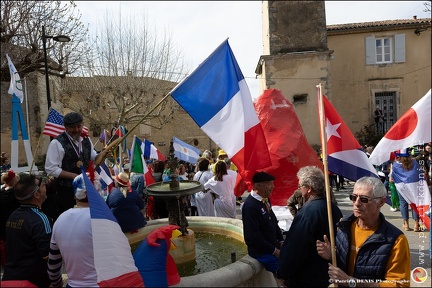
[(363, 199)]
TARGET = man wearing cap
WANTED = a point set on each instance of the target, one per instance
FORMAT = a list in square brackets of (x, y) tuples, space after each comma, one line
[(261, 232), (28, 234), (66, 154)]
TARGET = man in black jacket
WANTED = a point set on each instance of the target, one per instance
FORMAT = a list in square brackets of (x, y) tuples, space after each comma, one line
[(261, 232), (66, 154)]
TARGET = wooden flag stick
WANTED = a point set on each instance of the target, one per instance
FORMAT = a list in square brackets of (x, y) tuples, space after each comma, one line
[(326, 174)]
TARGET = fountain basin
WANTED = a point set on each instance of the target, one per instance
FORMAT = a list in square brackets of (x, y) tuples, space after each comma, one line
[(245, 272), (162, 189)]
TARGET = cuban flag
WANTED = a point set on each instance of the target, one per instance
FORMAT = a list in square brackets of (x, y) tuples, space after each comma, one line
[(345, 156), (185, 152), (113, 261), (217, 98), (413, 128), (151, 152), (413, 187)]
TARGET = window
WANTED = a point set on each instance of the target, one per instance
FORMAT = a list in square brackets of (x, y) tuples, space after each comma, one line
[(385, 50), (386, 100)]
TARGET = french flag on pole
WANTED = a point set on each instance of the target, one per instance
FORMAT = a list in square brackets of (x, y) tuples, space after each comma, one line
[(217, 98), (413, 128), (413, 187), (150, 151), (344, 155), (113, 261)]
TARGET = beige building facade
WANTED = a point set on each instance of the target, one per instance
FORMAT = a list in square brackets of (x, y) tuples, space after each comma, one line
[(385, 64), (360, 65)]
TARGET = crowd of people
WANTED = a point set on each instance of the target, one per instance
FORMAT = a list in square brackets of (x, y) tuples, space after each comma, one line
[(45, 220)]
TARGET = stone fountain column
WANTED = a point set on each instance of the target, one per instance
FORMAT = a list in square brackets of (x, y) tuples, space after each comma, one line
[(176, 205)]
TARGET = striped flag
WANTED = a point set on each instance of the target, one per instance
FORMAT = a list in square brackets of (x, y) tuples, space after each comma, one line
[(344, 154), (217, 98), (413, 187), (105, 175), (54, 125), (151, 152), (113, 261), (138, 164), (185, 152)]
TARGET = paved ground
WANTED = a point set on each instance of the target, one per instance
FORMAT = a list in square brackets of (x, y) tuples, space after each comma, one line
[(419, 241)]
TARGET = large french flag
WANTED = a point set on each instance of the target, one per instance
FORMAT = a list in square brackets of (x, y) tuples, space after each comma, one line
[(150, 151), (413, 128), (217, 98), (113, 261), (413, 187), (344, 154)]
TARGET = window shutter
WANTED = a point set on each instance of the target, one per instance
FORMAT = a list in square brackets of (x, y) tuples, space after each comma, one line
[(370, 50), (399, 48)]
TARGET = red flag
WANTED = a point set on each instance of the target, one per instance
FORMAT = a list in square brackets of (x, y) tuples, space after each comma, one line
[(288, 147)]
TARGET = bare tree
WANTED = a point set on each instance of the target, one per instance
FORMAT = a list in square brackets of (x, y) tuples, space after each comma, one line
[(21, 36), (427, 6), (132, 67)]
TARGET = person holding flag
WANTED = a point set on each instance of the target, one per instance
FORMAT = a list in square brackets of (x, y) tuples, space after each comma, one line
[(66, 154), (370, 251)]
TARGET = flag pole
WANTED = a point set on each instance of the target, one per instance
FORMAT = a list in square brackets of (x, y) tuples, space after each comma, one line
[(326, 174), (117, 142)]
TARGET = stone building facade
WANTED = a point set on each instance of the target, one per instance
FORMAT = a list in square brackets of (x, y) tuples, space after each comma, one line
[(360, 65)]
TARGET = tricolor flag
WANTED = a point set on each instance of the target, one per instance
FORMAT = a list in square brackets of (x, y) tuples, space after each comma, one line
[(185, 152), (217, 98), (413, 128), (113, 261), (150, 151), (15, 87), (345, 156), (54, 125), (137, 161), (413, 187), (105, 176)]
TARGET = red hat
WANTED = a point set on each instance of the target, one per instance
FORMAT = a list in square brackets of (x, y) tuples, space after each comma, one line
[(8, 177)]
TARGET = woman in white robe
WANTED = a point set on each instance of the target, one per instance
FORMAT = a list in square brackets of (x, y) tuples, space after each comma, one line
[(222, 186), (203, 200)]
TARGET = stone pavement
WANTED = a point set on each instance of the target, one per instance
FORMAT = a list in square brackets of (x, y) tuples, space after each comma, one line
[(419, 242)]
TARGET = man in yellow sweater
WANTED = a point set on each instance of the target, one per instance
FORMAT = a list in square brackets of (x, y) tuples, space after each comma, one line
[(370, 251)]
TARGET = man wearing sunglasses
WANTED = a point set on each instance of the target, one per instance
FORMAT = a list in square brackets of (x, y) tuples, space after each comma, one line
[(371, 252), (28, 234)]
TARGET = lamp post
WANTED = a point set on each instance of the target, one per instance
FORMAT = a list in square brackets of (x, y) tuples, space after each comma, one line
[(59, 38)]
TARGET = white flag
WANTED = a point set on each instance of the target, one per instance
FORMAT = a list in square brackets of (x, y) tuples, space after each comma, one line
[(15, 87)]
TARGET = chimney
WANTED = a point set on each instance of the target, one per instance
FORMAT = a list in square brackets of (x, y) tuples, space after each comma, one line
[(415, 17)]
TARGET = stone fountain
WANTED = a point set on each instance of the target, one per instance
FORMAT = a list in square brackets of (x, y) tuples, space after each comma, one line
[(245, 272)]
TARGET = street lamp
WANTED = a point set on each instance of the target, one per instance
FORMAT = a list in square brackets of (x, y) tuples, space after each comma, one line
[(59, 38)]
